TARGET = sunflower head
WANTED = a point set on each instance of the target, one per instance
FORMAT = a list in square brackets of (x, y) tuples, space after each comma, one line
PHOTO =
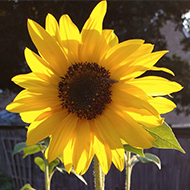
[(86, 93), (85, 90)]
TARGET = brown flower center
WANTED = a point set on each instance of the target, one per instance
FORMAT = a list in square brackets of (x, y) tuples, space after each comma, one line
[(85, 89)]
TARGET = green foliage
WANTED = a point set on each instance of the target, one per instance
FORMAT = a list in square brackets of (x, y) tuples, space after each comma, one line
[(150, 158), (134, 150), (27, 187), (40, 162), (27, 150), (147, 158), (32, 149), (164, 137), (52, 165), (19, 147)]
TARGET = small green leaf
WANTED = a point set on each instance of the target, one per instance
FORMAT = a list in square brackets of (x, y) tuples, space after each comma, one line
[(40, 162), (27, 187), (150, 158), (134, 150), (64, 171), (52, 165), (31, 150), (164, 137), (19, 147)]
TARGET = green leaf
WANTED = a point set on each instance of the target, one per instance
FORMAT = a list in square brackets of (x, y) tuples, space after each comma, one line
[(52, 165), (134, 150), (64, 171), (150, 158), (19, 147), (31, 150), (27, 150), (164, 137), (27, 187), (40, 162)]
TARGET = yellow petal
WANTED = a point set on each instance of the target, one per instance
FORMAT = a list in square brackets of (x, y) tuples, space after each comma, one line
[(68, 30), (51, 27), (139, 66), (163, 105), (96, 17), (107, 132), (91, 32), (48, 48), (103, 153), (36, 63), (130, 101), (128, 128), (67, 155), (140, 115), (162, 69), (82, 146), (130, 89), (30, 116), (144, 117), (119, 54), (33, 83), (39, 130), (118, 158), (125, 62), (70, 38), (46, 113), (27, 102), (156, 86), (104, 43), (23, 94), (19, 79), (141, 51), (148, 60), (61, 136), (90, 157), (110, 36)]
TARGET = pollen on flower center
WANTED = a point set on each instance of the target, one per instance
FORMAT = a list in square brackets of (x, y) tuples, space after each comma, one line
[(85, 89)]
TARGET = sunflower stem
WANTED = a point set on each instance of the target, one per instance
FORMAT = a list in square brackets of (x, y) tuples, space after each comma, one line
[(99, 177), (47, 177), (128, 171)]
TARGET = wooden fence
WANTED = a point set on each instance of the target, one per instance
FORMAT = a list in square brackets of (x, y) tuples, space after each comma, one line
[(174, 175)]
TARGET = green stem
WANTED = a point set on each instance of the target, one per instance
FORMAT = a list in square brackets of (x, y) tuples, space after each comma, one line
[(99, 177), (128, 172), (47, 177)]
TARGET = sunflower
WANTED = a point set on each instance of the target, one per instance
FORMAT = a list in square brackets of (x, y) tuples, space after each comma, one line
[(86, 93)]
